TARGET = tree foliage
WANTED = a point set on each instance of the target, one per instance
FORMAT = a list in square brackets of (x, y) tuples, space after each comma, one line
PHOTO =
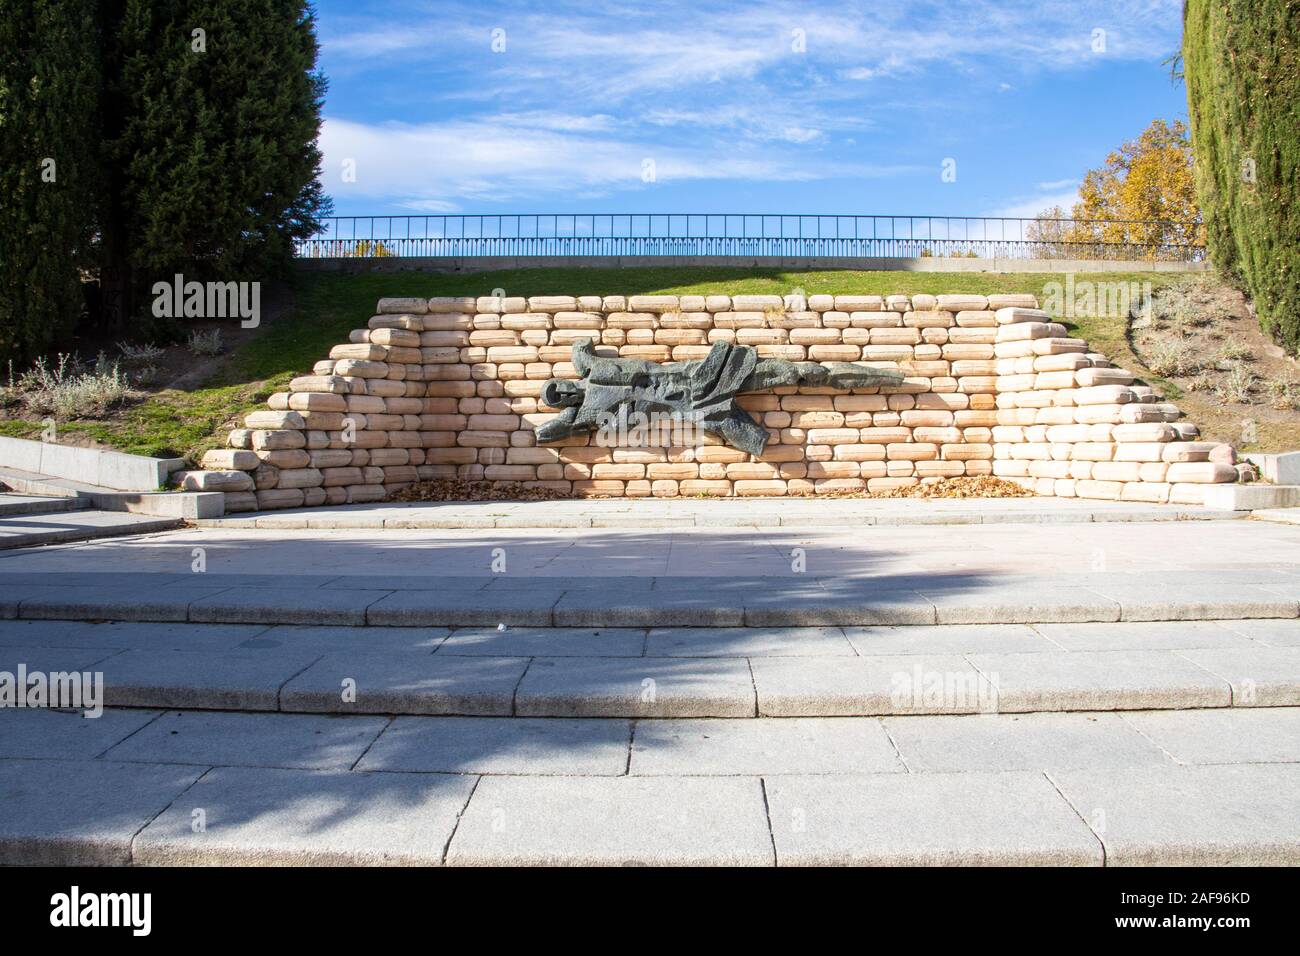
[(1242, 64), (189, 129), (213, 152), (1144, 196), (48, 168)]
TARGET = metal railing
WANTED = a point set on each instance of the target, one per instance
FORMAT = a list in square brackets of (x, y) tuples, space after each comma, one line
[(744, 235)]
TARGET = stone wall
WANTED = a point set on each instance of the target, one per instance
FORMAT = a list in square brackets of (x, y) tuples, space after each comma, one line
[(449, 388)]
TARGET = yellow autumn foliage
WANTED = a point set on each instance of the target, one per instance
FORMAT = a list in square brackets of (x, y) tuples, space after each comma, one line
[(1144, 197)]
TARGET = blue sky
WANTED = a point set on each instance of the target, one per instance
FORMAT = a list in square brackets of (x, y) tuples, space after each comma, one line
[(778, 107)]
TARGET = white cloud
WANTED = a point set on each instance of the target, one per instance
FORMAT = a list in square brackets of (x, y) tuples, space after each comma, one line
[(708, 89), (1030, 207), (801, 134), (430, 166)]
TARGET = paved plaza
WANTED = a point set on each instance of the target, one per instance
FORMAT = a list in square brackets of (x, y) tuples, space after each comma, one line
[(1093, 690)]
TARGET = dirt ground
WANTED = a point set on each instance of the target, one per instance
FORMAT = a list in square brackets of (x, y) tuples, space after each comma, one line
[(1202, 346)]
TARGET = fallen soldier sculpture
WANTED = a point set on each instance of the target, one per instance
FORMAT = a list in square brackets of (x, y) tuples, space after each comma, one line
[(701, 392)]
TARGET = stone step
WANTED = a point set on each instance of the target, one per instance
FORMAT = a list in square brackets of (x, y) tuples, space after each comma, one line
[(27, 530), (170, 504), (1144, 788), (12, 504), (794, 600), (674, 672), (716, 513)]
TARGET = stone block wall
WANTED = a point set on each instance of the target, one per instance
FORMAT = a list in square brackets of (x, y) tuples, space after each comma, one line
[(449, 388)]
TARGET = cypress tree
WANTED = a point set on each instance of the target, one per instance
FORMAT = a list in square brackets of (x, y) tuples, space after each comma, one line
[(1242, 63), (213, 109), (49, 89)]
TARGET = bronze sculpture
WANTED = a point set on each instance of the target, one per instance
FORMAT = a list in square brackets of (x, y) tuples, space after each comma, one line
[(702, 392)]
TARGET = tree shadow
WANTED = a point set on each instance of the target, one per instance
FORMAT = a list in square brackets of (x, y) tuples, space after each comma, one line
[(331, 781)]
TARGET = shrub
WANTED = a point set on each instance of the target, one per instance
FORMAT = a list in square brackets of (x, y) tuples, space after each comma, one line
[(204, 343), (1284, 396), (1237, 385), (1236, 352), (1172, 358), (143, 354), (68, 388)]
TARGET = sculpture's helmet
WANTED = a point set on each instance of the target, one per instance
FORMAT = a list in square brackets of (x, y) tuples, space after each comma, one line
[(561, 393)]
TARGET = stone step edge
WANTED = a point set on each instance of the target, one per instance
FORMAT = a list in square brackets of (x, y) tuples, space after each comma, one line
[(621, 698), (586, 708), (87, 533), (158, 609), (41, 505), (431, 521)]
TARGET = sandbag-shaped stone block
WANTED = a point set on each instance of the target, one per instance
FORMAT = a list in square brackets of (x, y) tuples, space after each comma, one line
[(1103, 395), (1116, 471), (1012, 300), (1104, 376), (299, 478), (331, 384), (229, 459), (1200, 472), (1025, 331), (1153, 491), (318, 402), (1136, 413), (364, 351), (238, 501), (1015, 315), (271, 440), (1152, 451), (962, 303), (397, 306), (270, 420), (394, 338), (213, 481), (552, 303), (1149, 432), (653, 303), (266, 476), (1104, 490), (411, 323), (268, 498), (461, 303), (349, 368)]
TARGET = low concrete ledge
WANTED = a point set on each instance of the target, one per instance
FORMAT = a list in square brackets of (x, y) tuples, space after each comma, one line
[(190, 505), (1280, 469), (186, 505), (92, 466), (1253, 497)]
